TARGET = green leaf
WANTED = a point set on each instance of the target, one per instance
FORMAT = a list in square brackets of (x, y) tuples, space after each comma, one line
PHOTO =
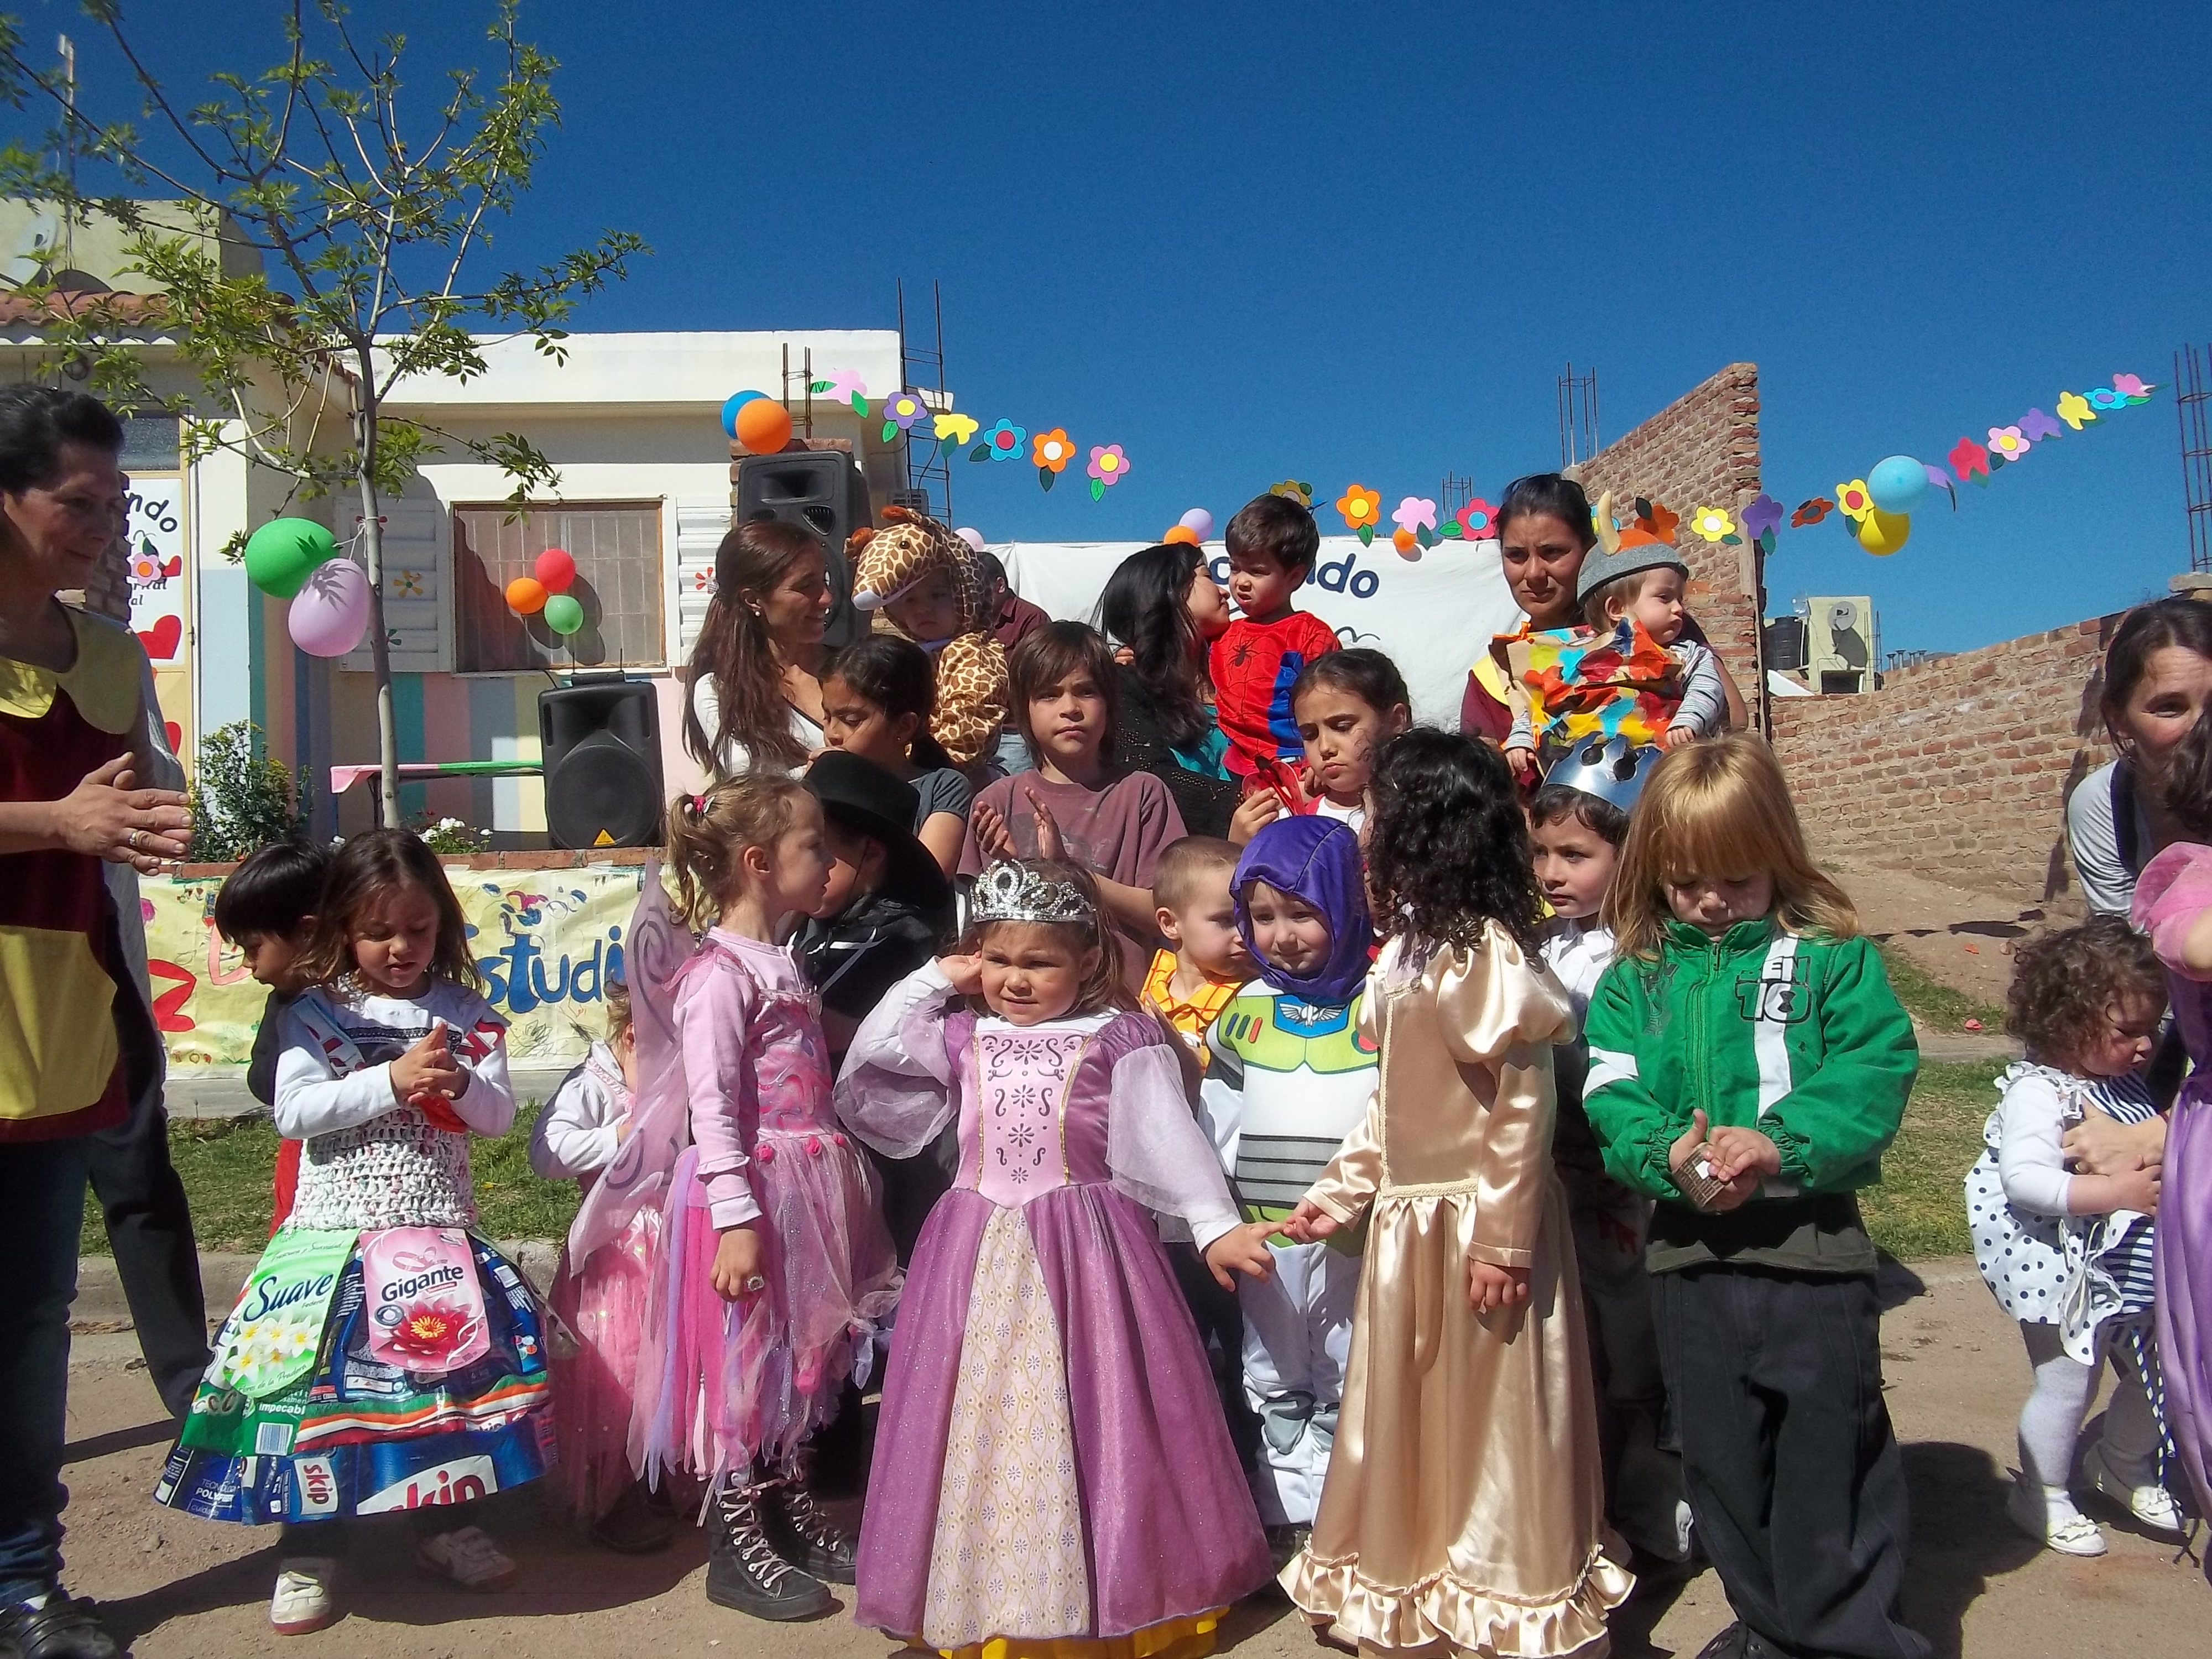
[(1047, 477), (860, 406), (1449, 530), (1731, 540), (1367, 535), (890, 430), (1097, 490), (1426, 536), (980, 453), (817, 385)]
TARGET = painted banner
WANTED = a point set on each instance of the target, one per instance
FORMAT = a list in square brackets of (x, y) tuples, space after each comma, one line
[(545, 941)]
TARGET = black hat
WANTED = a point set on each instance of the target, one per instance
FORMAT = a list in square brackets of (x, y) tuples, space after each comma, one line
[(861, 795)]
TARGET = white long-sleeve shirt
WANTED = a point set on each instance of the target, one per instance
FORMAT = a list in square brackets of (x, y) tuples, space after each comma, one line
[(580, 1131), (370, 1159)]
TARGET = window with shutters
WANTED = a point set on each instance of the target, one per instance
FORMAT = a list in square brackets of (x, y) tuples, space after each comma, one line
[(617, 549)]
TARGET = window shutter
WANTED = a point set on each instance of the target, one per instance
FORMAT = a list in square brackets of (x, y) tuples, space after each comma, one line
[(702, 521), (418, 572)]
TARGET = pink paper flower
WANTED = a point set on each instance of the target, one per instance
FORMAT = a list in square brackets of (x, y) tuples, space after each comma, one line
[(2009, 441), (1108, 466), (1415, 513)]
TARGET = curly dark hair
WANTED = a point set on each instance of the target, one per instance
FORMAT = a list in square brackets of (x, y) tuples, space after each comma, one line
[(2185, 790), (1447, 846), (2065, 982)]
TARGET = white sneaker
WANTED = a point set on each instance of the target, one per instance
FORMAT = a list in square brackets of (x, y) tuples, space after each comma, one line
[(2153, 1505), (467, 1556), (302, 1601), (2050, 1519)]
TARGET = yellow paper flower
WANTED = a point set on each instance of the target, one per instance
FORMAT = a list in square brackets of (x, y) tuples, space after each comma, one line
[(957, 427), (1712, 523), (1361, 509), (1853, 501), (2074, 410)]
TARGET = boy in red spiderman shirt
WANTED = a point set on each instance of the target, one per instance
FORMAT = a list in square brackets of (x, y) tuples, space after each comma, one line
[(1272, 544)]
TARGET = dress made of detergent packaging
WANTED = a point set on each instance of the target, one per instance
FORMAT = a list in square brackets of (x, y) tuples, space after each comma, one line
[(1052, 1470), (1465, 1503), (382, 1356)]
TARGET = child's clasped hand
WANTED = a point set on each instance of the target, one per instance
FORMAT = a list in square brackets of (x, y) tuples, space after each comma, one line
[(1738, 1159), (427, 1076)]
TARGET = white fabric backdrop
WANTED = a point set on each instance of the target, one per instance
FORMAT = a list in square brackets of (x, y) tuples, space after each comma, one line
[(1431, 616)]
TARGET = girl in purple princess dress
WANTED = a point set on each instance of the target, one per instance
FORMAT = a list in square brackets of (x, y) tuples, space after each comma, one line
[(1051, 1466), (2174, 905), (773, 1266)]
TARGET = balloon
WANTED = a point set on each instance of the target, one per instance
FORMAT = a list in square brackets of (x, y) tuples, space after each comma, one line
[(526, 596), (564, 614), (331, 612), (1198, 521), (738, 401), (279, 555), (1405, 541), (1884, 533), (1897, 484), (974, 538), (763, 426), (1182, 532), (555, 567)]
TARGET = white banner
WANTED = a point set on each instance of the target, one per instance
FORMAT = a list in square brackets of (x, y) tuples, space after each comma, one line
[(1431, 616)]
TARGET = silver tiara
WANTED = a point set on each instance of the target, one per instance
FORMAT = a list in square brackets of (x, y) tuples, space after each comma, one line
[(1009, 893)]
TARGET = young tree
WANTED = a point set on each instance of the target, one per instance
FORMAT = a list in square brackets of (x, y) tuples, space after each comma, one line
[(370, 234)]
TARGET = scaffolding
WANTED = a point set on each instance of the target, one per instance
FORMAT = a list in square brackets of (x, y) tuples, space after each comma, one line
[(1455, 491), (922, 370), (798, 389), (1577, 416), (2191, 397)]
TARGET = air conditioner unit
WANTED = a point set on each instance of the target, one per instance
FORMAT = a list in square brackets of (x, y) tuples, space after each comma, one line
[(1840, 645)]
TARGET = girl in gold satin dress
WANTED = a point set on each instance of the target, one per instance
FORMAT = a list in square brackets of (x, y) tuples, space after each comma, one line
[(1464, 1507)]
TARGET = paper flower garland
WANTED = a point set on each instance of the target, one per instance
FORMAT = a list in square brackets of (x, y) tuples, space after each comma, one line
[(1762, 518), (900, 413), (953, 428), (2008, 442), (842, 386), (1811, 512), (1003, 442), (1854, 500), (1714, 525), (1292, 489), (1108, 466), (1477, 516)]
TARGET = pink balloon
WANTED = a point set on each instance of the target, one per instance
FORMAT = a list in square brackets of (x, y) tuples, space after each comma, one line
[(974, 538), (330, 612)]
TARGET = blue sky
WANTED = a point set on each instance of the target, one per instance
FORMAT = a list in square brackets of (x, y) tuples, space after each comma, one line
[(1251, 242)]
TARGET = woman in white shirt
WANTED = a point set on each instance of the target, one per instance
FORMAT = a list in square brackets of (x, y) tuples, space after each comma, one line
[(756, 672)]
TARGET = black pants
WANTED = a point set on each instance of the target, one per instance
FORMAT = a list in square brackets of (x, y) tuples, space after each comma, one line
[(150, 1226), (1793, 1473)]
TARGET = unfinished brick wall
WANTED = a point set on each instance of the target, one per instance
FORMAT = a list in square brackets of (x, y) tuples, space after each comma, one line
[(1957, 769), (1702, 450)]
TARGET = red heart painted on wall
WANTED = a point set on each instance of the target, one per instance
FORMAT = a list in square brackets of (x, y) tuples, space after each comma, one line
[(176, 735), (162, 639)]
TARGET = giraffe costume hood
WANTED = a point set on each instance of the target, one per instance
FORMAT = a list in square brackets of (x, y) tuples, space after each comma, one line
[(971, 665)]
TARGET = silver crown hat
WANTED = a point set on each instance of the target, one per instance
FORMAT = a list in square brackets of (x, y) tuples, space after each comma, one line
[(1008, 892), (1610, 768), (1599, 568)]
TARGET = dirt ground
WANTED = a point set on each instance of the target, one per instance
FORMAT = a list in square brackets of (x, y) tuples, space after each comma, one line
[(1961, 937), (178, 1586)]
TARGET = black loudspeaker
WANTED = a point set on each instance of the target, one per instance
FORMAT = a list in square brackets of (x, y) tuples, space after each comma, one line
[(823, 490), (602, 743)]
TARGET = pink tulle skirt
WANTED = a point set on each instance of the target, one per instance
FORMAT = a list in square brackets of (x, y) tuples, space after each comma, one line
[(603, 1304), (737, 1383)]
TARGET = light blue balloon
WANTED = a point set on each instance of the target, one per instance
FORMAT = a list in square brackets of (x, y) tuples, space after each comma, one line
[(1898, 484), (738, 401)]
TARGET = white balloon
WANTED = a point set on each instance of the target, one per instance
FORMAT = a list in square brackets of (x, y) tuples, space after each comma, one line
[(1199, 522), (972, 536)]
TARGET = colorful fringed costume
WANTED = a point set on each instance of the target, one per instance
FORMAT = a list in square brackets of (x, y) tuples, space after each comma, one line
[(972, 694), (1578, 683)]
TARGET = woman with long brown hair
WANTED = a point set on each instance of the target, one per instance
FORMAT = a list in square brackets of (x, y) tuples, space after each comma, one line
[(756, 670)]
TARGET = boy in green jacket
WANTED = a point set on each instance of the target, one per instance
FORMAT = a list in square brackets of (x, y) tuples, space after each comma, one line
[(1749, 1064)]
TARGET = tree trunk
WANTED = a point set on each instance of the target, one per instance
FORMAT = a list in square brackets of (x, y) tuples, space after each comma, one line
[(380, 642)]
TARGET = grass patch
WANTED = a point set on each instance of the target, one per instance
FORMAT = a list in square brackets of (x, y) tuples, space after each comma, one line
[(1920, 1207), (226, 1164), (1932, 1002)]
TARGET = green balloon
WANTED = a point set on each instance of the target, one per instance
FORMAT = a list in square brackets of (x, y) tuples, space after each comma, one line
[(282, 553), (564, 614)]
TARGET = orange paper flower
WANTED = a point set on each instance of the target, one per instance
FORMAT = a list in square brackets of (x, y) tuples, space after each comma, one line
[(1052, 449), (1361, 509)]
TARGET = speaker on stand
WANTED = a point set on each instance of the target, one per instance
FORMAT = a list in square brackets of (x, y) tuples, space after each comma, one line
[(823, 491), (601, 738)]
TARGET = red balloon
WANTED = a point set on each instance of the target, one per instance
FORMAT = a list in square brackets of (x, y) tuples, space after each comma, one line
[(556, 568)]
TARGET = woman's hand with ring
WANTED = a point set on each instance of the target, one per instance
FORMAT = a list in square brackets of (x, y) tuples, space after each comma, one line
[(104, 818)]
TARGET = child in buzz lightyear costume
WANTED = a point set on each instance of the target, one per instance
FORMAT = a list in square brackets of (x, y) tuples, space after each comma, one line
[(1290, 1072)]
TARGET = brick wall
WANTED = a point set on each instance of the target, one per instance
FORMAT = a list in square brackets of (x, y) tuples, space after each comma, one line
[(1702, 450), (1957, 769)]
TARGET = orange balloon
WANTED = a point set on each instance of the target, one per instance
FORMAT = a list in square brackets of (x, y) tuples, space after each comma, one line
[(526, 596), (1182, 532), (1404, 540), (763, 426)]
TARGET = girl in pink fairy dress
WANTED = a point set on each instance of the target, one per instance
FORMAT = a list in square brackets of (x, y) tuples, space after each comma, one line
[(1052, 1471), (773, 1266)]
